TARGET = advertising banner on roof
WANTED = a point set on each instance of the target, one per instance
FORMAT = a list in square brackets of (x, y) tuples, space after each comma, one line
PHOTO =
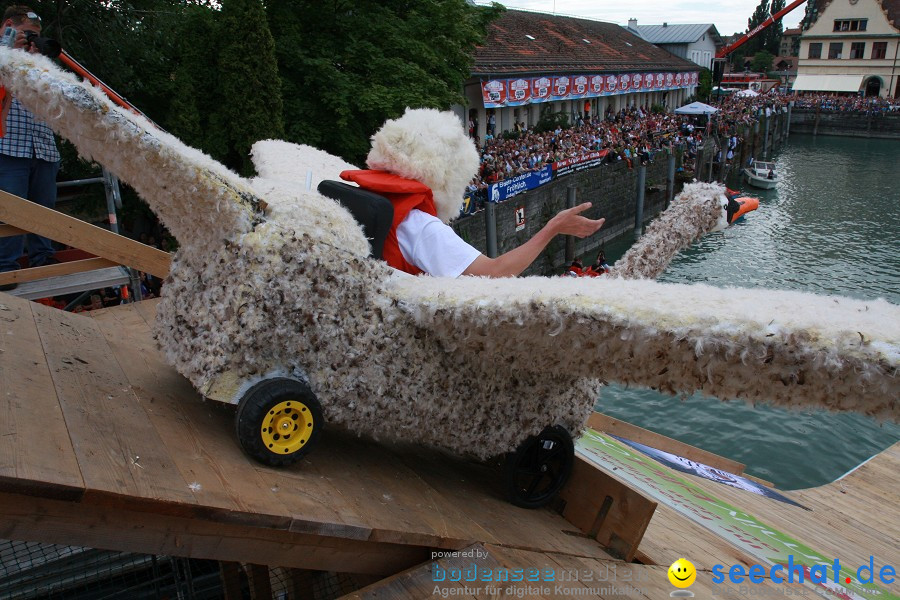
[(497, 93), (518, 92), (561, 87), (579, 86), (540, 89), (611, 82), (493, 93)]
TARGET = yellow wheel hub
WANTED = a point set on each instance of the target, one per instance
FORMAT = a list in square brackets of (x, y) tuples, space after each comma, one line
[(287, 427)]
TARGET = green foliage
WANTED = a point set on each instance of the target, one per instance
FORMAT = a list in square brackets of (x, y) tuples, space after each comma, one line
[(658, 109), (248, 90), (346, 67), (762, 62), (704, 85), (770, 38), (550, 121)]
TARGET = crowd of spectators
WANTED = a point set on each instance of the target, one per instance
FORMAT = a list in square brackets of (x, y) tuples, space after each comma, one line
[(632, 134), (835, 103)]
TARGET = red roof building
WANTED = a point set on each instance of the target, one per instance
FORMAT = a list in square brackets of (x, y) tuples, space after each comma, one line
[(533, 61)]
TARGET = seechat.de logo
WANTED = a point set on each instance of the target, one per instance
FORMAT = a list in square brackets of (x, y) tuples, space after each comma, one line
[(682, 575)]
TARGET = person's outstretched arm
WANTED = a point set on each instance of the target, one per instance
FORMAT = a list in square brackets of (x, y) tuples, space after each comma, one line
[(566, 222)]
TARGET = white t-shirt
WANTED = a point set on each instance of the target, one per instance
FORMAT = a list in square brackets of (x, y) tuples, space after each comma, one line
[(432, 246)]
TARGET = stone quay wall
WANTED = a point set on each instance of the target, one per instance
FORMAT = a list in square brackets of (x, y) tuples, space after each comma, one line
[(847, 124), (613, 190)]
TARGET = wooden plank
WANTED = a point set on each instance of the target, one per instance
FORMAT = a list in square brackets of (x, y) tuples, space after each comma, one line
[(122, 459), (606, 509), (260, 586), (230, 574), (601, 422), (489, 517), (9, 231), (36, 454), (66, 268), (199, 435), (79, 524), (57, 226)]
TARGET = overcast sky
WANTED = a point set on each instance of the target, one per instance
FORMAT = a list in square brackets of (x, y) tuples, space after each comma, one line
[(729, 16)]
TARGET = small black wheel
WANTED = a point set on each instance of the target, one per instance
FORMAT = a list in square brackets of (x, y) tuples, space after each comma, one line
[(539, 468), (278, 421)]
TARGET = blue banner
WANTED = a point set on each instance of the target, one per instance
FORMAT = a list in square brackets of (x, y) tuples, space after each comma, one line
[(520, 183)]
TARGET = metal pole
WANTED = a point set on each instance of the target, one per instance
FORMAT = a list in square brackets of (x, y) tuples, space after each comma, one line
[(111, 187), (787, 133), (670, 179), (766, 138), (490, 229), (639, 202), (570, 240)]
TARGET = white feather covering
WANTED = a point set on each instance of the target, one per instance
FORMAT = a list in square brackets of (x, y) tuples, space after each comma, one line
[(432, 147), (698, 210), (472, 365)]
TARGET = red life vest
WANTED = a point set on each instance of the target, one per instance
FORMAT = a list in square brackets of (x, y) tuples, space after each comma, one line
[(405, 195)]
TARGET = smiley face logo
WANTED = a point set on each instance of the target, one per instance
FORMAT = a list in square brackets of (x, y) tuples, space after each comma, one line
[(682, 573)]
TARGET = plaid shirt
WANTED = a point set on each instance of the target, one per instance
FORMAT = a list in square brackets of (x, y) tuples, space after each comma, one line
[(27, 137)]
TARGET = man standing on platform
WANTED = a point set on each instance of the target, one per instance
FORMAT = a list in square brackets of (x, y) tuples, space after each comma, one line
[(29, 160)]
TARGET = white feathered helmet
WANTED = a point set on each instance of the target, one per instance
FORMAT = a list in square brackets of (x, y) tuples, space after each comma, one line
[(431, 147)]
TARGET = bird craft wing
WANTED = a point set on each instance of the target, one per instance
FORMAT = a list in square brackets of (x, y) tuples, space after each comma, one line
[(786, 348), (199, 200)]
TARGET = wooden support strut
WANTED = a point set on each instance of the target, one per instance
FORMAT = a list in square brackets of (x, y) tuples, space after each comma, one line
[(34, 218)]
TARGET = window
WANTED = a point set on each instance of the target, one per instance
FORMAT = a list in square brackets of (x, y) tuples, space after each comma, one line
[(835, 49), (815, 50), (850, 24), (857, 49), (879, 49)]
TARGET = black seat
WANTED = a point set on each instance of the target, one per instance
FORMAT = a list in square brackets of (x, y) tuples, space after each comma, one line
[(374, 212)]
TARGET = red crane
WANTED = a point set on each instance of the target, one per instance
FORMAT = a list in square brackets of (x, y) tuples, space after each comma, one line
[(758, 29)]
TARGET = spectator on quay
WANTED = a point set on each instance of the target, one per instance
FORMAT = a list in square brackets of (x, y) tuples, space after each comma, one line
[(29, 160)]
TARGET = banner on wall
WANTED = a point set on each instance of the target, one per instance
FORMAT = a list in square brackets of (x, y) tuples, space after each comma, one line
[(498, 192), (586, 161), (497, 93)]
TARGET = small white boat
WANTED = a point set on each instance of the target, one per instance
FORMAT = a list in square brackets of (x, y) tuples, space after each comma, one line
[(762, 175)]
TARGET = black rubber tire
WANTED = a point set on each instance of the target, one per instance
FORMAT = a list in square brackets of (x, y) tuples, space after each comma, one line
[(255, 406), (539, 468)]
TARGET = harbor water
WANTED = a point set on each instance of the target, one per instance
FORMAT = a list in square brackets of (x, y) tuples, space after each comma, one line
[(832, 226)]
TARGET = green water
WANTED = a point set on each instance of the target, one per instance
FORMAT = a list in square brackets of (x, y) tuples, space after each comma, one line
[(831, 227)]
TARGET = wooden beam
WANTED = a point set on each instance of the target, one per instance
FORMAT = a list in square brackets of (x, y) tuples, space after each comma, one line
[(48, 521), (57, 226), (260, 586), (606, 509), (9, 231), (230, 574), (66, 268), (606, 424)]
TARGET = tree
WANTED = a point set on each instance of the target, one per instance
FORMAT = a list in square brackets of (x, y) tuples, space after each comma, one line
[(348, 68), (770, 38), (248, 89), (704, 85), (762, 62)]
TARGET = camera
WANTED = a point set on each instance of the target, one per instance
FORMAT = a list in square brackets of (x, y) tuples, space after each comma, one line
[(46, 46)]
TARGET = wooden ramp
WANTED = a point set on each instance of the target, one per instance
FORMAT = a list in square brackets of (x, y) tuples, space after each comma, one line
[(104, 445)]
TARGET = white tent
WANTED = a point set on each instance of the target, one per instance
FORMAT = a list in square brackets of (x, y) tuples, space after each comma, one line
[(696, 108), (748, 93)]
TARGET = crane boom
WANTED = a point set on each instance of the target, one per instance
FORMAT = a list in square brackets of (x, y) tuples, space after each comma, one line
[(758, 29)]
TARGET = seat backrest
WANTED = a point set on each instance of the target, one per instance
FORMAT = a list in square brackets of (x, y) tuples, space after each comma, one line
[(373, 211)]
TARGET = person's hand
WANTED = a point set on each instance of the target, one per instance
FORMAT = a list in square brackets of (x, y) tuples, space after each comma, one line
[(570, 222)]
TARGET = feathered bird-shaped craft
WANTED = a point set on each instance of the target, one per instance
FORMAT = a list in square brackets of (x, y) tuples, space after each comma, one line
[(272, 279)]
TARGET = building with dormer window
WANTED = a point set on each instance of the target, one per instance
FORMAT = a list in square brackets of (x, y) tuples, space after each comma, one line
[(851, 47)]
